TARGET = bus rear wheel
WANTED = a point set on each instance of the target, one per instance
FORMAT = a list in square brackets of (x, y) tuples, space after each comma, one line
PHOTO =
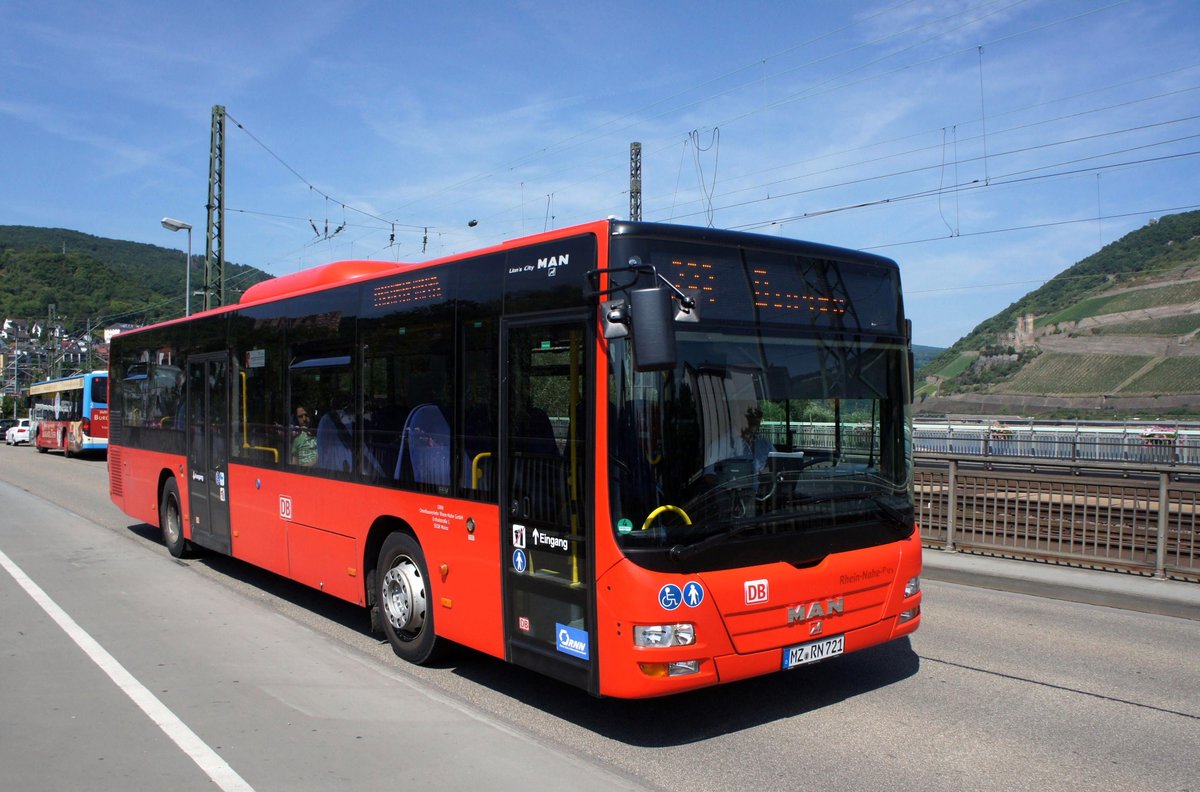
[(402, 596), (170, 517)]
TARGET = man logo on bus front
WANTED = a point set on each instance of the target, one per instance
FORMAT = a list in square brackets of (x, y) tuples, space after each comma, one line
[(815, 610)]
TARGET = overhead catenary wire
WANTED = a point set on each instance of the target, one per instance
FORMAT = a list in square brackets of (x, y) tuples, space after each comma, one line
[(589, 178), (971, 16), (998, 182), (1033, 226), (755, 82), (973, 184), (306, 182)]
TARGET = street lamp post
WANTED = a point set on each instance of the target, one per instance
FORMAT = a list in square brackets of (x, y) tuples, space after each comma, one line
[(178, 225)]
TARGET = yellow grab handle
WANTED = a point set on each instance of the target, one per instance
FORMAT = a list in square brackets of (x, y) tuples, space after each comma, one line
[(664, 509)]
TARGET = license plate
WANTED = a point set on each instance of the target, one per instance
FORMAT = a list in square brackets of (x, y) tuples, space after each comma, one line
[(813, 651)]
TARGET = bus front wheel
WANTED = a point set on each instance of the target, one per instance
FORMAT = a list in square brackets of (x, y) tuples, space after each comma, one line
[(170, 517), (402, 595)]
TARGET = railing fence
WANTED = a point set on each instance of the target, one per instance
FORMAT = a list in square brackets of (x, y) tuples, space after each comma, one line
[(1147, 527)]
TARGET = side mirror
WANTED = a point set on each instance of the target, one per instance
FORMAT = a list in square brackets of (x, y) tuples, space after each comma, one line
[(651, 318)]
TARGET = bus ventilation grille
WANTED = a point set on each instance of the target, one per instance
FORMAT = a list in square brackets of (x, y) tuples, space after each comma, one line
[(116, 484)]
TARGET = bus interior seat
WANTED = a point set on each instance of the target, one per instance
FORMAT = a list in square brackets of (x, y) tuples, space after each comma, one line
[(425, 447), (334, 443)]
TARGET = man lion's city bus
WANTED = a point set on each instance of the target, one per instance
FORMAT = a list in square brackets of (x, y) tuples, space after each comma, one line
[(638, 458), (70, 413)]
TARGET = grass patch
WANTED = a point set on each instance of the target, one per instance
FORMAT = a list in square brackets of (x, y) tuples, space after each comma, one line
[(956, 366), (1127, 301)]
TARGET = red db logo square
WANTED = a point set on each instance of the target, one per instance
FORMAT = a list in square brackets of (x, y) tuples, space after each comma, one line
[(756, 591)]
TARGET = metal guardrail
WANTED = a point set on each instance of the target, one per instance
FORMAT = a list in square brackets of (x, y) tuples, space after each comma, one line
[(1096, 517), (1123, 497), (1165, 445), (1134, 443)]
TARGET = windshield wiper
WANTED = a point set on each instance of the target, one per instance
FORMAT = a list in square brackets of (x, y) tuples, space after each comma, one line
[(896, 516), (902, 521), (684, 552)]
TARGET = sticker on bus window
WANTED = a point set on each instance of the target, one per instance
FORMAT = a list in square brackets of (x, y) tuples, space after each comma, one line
[(519, 536), (519, 560), (554, 543), (670, 597), (572, 641), (624, 525)]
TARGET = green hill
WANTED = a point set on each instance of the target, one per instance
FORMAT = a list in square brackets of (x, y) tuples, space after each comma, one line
[(923, 354), (1116, 332), (97, 280)]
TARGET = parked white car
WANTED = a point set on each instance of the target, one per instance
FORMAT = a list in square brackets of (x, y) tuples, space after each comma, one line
[(18, 434)]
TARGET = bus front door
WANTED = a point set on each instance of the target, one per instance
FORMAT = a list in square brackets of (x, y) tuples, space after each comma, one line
[(207, 450), (548, 597)]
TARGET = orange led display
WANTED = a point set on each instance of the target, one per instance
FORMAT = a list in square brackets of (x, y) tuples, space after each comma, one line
[(408, 291)]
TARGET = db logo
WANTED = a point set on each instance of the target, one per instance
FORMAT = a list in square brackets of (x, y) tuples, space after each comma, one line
[(756, 591), (285, 507)]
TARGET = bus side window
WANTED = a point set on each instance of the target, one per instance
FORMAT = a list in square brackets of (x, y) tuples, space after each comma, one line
[(408, 387), (478, 443), (321, 386)]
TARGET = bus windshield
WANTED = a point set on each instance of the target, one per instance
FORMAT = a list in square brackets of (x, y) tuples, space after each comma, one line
[(762, 444)]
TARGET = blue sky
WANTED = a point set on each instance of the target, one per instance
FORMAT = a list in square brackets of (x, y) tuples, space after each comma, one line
[(986, 145)]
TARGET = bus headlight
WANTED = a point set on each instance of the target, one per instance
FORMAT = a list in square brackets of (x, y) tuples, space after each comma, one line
[(912, 586), (664, 635)]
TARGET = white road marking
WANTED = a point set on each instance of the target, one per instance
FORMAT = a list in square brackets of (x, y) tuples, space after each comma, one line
[(208, 760)]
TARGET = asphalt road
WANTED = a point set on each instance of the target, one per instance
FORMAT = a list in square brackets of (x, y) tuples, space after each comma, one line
[(281, 687)]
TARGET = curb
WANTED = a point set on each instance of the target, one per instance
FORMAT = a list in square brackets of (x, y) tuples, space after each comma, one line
[(1174, 598)]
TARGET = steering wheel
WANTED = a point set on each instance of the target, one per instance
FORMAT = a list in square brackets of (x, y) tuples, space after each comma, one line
[(663, 510)]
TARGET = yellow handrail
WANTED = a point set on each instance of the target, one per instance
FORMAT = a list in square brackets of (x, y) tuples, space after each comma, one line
[(245, 429), (476, 471), (663, 510)]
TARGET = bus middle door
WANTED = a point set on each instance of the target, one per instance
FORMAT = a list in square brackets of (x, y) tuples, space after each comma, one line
[(207, 450), (548, 592)]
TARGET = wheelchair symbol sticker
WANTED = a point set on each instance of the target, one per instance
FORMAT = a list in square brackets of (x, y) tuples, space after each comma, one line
[(519, 562), (670, 597)]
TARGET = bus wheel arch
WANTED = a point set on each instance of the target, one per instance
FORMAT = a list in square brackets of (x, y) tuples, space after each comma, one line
[(170, 516), (383, 527), (402, 598)]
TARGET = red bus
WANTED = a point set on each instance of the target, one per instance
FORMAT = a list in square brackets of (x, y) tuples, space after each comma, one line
[(639, 458), (70, 413)]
